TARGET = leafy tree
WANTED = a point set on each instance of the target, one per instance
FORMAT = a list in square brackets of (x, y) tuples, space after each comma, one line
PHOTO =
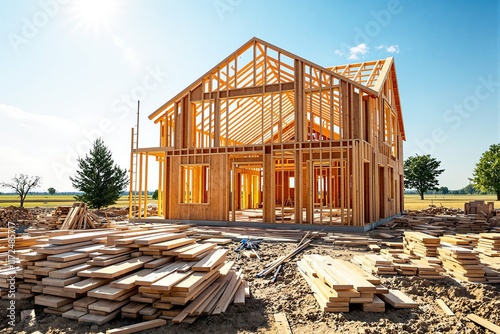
[(51, 191), (421, 172), (155, 195), (486, 175), (22, 185), (100, 180), (444, 190)]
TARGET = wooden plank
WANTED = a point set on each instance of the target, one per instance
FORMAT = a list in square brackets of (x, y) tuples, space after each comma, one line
[(212, 260), (166, 245), (485, 323), (137, 327), (398, 299), (60, 282), (69, 271), (107, 305), (193, 252), (156, 238), (121, 268), (107, 292), (98, 319), (228, 294), (52, 301), (108, 261), (166, 283), (65, 257), (159, 262), (282, 323), (78, 237), (73, 314), (444, 307), (84, 302), (160, 273), (133, 307), (239, 296), (130, 280), (86, 285)]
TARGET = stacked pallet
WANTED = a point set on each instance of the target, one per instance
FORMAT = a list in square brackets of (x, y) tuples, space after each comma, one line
[(462, 263), (337, 284), (145, 272), (421, 244), (479, 207)]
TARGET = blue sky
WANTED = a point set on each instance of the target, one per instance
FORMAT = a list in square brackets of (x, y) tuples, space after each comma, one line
[(70, 70)]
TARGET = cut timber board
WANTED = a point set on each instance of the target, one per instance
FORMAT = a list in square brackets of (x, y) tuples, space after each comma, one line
[(212, 260), (122, 267), (444, 307), (98, 319), (66, 257), (107, 292), (160, 273), (138, 327), (485, 323), (69, 271), (156, 238), (282, 323), (166, 245), (78, 237), (130, 280), (52, 301), (86, 285), (107, 306), (398, 299)]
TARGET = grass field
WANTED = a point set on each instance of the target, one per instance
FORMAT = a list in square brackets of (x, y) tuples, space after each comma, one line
[(412, 202)]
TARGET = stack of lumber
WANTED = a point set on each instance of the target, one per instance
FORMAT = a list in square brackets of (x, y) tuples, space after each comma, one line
[(462, 240), (479, 207), (79, 218), (146, 271), (350, 239), (52, 220), (489, 244), (421, 244), (337, 284), (393, 262), (375, 264), (462, 263)]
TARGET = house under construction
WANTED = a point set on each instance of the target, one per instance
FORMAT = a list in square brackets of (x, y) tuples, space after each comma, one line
[(268, 136)]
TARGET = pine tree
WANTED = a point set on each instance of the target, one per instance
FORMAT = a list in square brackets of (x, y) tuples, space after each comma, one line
[(100, 180)]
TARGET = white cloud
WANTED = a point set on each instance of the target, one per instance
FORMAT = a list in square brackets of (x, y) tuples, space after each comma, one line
[(379, 47), (339, 53), (360, 49), (392, 49), (26, 119)]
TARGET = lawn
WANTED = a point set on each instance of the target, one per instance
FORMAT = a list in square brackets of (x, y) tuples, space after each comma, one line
[(413, 202)]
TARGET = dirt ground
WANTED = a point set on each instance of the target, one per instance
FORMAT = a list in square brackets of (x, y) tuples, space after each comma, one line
[(292, 296)]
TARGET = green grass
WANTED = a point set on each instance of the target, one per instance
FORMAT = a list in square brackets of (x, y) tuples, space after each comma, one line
[(48, 201), (413, 202)]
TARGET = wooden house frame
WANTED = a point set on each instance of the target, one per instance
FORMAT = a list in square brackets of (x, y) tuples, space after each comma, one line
[(269, 136)]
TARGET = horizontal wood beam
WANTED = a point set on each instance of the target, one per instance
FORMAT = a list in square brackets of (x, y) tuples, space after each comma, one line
[(248, 91)]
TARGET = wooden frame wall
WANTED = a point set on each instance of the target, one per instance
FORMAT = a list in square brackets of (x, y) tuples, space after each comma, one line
[(264, 111)]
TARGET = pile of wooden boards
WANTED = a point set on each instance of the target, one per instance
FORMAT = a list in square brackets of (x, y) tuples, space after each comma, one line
[(350, 239), (75, 217), (393, 261), (462, 263), (489, 244), (421, 244), (479, 207), (337, 284), (138, 271)]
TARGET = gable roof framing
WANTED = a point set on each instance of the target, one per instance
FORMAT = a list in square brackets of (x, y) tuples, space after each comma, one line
[(251, 79)]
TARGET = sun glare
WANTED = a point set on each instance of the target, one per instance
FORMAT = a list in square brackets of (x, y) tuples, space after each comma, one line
[(96, 15)]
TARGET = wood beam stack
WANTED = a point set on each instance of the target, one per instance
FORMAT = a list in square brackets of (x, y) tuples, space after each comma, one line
[(462, 263), (337, 284), (420, 244), (144, 272), (489, 244)]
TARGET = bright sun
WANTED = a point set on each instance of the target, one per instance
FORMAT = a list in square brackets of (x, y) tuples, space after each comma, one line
[(95, 15)]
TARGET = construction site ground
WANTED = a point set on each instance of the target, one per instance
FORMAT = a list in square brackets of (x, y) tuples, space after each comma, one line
[(291, 295)]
